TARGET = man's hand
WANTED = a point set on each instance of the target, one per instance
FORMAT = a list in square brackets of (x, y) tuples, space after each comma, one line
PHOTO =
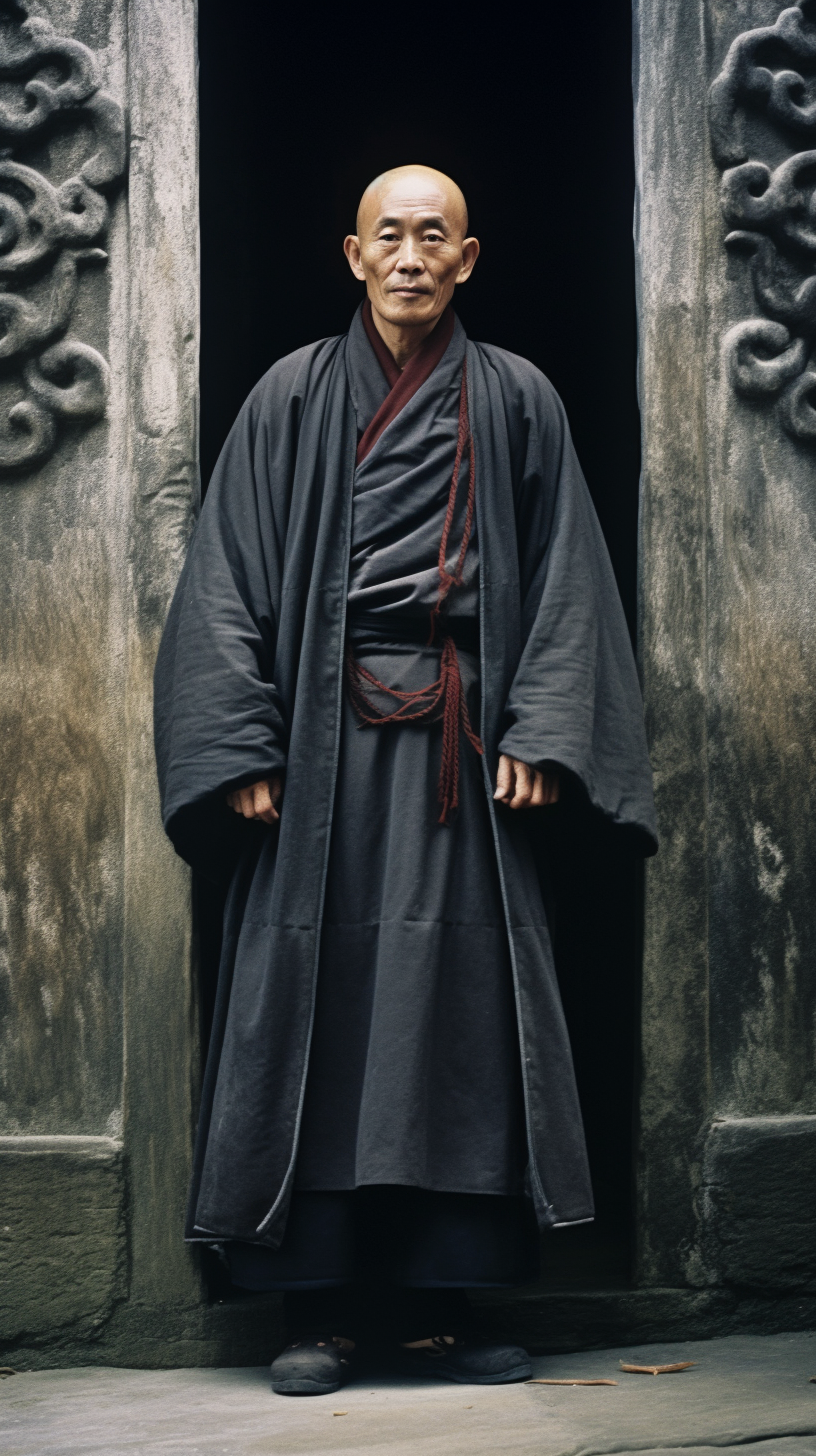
[(258, 800), (521, 787)]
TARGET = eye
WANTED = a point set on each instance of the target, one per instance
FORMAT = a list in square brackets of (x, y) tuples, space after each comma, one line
[(389, 238)]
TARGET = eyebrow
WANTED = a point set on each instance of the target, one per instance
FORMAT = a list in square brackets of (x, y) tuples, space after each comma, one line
[(435, 221)]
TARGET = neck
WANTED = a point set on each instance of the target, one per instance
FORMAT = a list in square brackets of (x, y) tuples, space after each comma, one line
[(403, 341)]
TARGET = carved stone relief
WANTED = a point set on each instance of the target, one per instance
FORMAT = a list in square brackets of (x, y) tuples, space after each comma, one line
[(762, 106), (49, 232)]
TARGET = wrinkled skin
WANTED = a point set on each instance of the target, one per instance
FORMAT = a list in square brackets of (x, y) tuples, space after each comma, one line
[(410, 250)]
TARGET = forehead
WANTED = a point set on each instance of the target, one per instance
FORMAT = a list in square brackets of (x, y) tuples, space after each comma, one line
[(414, 196)]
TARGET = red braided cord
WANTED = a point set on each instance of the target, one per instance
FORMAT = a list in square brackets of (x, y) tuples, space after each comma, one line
[(444, 698), (449, 579), (464, 440)]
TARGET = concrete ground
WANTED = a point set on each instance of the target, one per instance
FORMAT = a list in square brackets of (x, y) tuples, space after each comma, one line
[(745, 1389)]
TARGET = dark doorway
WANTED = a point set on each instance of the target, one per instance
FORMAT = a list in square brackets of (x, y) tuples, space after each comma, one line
[(529, 107)]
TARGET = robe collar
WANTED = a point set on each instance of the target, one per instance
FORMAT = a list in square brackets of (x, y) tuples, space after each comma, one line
[(403, 383)]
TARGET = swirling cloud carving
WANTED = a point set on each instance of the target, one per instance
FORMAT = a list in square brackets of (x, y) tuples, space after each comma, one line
[(50, 231), (771, 70), (769, 76)]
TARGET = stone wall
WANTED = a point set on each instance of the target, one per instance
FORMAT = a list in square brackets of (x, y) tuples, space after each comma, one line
[(725, 117), (98, 484)]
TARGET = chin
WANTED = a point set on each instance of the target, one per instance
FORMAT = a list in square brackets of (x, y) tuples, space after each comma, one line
[(408, 311)]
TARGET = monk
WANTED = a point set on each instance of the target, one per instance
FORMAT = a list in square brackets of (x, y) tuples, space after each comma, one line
[(396, 638)]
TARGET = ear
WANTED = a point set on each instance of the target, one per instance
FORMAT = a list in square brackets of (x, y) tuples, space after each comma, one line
[(470, 252), (351, 248)]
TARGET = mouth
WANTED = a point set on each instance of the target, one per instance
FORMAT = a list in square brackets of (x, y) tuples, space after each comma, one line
[(411, 292)]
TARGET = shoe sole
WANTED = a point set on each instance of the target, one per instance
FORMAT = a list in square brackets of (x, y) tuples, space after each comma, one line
[(305, 1387)]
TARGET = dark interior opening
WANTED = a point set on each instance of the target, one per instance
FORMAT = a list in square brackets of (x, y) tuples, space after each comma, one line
[(532, 114)]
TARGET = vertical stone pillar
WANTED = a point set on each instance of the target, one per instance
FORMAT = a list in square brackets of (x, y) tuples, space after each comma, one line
[(161, 439), (726, 231), (98, 487)]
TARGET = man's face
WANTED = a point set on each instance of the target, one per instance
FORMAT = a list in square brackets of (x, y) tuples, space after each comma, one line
[(410, 249)]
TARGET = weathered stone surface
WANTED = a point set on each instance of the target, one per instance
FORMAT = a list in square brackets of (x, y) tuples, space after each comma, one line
[(159, 442), (759, 1203), (62, 559), (97, 1002), (761, 587), (728, 648), (669, 82), (62, 1235)]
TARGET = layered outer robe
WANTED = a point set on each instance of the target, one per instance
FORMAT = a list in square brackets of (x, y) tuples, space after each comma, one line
[(249, 681)]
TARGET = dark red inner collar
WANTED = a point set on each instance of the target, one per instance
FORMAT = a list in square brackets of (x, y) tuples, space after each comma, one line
[(404, 383)]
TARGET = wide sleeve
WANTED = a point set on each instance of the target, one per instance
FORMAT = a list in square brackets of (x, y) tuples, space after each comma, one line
[(575, 699), (219, 719)]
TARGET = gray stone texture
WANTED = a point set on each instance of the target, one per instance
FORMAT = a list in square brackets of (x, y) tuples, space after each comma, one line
[(727, 1175), (97, 1045), (741, 1391), (62, 1246)]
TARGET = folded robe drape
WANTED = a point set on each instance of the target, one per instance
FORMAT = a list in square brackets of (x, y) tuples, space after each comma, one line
[(249, 680), (414, 1076)]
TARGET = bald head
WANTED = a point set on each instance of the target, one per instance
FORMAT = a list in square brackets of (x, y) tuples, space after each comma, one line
[(410, 250), (414, 185)]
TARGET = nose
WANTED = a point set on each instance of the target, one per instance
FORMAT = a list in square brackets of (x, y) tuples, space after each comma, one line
[(410, 259)]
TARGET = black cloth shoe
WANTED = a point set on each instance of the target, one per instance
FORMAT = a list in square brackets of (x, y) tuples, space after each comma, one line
[(468, 1360), (312, 1366)]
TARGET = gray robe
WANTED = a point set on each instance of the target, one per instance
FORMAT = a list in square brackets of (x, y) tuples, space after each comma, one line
[(414, 1075), (249, 680)]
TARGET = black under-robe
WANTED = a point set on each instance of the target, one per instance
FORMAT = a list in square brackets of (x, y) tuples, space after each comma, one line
[(424, 927)]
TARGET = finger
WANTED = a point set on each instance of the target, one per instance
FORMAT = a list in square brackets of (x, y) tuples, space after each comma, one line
[(232, 803), (247, 803), (260, 796), (504, 778), (552, 786), (524, 785), (540, 785), (262, 799)]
